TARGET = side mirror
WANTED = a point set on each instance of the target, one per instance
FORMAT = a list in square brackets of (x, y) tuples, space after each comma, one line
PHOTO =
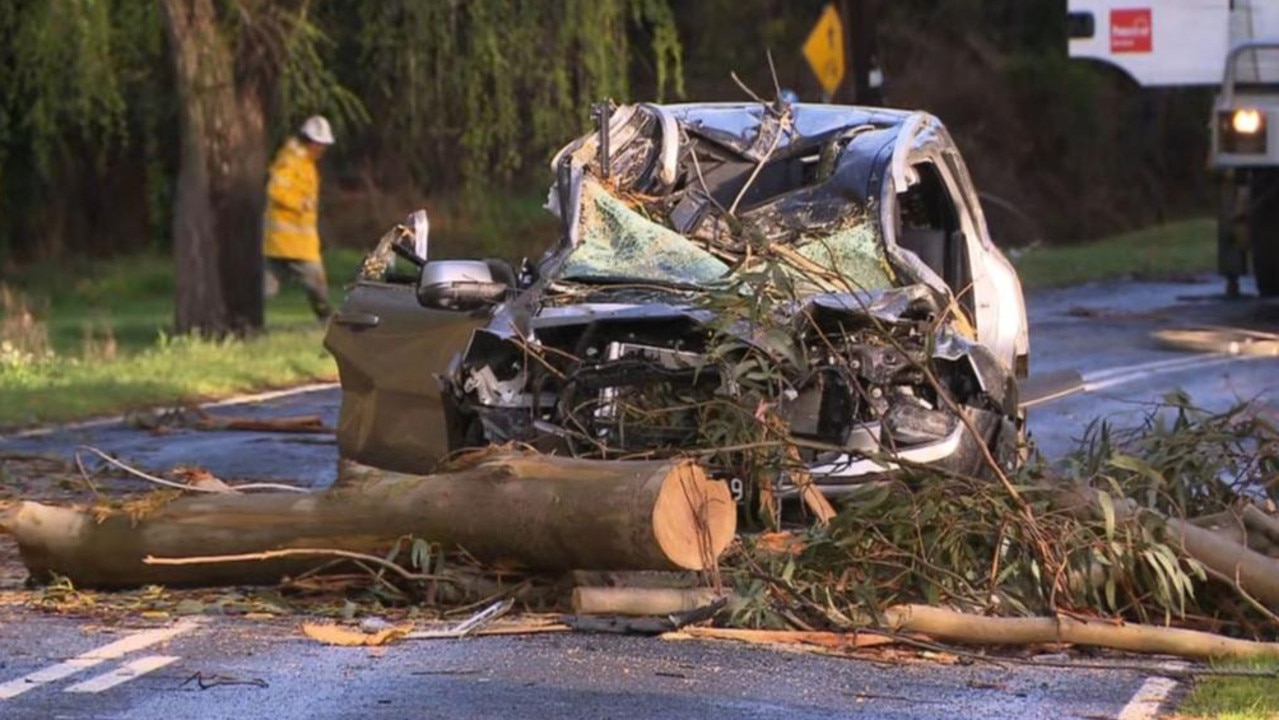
[(462, 285)]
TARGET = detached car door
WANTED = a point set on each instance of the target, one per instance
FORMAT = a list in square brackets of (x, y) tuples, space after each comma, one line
[(390, 352)]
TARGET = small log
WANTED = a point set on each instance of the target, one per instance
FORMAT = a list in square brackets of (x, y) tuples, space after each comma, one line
[(534, 511), (1260, 523), (299, 424), (957, 627), (640, 601)]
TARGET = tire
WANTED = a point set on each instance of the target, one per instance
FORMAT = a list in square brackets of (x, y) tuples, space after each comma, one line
[(1263, 231)]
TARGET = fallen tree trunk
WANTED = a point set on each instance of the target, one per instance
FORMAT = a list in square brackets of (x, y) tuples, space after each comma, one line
[(533, 511), (957, 627)]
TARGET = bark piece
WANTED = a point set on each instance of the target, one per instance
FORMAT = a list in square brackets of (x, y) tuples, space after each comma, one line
[(346, 637), (299, 424), (1259, 522), (535, 511)]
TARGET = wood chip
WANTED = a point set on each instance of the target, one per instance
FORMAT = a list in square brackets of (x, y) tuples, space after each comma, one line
[(344, 637)]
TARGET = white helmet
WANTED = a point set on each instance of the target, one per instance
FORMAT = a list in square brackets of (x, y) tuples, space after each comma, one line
[(317, 130)]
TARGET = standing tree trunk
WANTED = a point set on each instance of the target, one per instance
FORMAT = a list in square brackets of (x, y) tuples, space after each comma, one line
[(217, 223)]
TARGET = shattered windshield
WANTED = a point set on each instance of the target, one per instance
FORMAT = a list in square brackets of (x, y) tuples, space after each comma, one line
[(619, 244)]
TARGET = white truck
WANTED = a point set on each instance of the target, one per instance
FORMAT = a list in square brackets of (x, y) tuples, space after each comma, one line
[(1232, 44)]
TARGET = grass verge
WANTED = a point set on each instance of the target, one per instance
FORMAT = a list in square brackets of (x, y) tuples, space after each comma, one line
[(173, 370), (100, 344), (1235, 698), (1167, 251)]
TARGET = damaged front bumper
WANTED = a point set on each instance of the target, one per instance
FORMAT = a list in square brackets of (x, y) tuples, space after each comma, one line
[(613, 379)]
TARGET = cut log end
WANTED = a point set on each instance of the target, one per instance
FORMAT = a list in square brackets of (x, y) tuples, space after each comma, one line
[(694, 518)]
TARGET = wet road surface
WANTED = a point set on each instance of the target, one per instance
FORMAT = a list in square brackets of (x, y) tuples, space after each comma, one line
[(225, 669)]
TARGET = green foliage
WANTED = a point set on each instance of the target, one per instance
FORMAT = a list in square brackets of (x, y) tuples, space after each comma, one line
[(63, 71), (941, 538), (282, 45), (504, 81), (1184, 461)]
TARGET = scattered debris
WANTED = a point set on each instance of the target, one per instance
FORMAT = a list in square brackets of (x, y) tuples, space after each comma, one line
[(195, 479), (162, 421), (1101, 313), (646, 625), (835, 641), (1224, 340), (477, 623), (346, 637), (205, 682)]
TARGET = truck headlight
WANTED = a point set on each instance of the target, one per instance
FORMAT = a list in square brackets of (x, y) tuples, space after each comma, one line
[(1242, 131), (1247, 121)]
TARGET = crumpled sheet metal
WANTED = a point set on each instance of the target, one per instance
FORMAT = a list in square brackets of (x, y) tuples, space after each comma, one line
[(887, 304)]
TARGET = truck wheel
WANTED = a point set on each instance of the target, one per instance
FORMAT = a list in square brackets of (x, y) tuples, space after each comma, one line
[(1263, 231)]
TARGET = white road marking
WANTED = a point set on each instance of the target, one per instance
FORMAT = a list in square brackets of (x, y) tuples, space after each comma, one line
[(1122, 376), (122, 674), (1150, 696), (92, 658), (1167, 365)]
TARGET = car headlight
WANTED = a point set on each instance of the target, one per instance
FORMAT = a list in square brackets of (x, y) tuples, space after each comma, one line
[(1247, 121)]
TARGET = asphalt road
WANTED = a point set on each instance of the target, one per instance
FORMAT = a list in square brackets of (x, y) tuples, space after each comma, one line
[(226, 669), (221, 667)]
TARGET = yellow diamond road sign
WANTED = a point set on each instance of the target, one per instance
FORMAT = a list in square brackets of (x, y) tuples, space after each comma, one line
[(824, 49)]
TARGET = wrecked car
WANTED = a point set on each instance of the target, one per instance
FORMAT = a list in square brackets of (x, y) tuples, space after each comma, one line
[(897, 340)]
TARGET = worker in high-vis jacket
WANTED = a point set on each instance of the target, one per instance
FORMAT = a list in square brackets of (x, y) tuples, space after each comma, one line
[(291, 237)]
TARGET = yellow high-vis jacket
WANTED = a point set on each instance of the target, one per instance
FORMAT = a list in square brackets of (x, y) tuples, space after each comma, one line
[(292, 196)]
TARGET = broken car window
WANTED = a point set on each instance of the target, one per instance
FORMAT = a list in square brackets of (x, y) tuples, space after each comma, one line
[(618, 243)]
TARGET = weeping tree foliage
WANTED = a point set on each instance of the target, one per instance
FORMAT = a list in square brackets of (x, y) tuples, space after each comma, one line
[(503, 81), (62, 70), (68, 70)]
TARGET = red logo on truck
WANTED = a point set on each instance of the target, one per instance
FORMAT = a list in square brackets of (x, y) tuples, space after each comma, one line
[(1131, 31)]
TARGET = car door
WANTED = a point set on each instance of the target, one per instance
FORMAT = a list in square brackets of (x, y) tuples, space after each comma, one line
[(390, 353), (998, 302), (951, 240)]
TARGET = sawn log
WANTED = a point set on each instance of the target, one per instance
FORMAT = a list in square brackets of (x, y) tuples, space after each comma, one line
[(534, 511)]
